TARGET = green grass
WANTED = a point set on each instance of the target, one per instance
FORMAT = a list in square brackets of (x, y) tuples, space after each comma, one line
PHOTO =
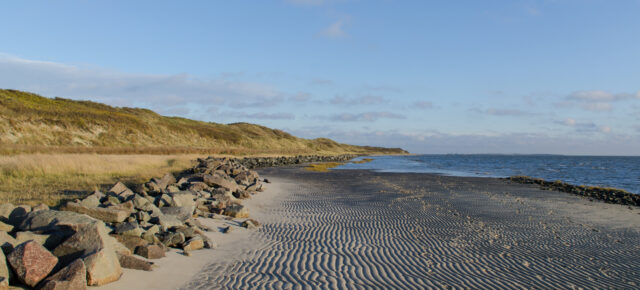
[(30, 123)]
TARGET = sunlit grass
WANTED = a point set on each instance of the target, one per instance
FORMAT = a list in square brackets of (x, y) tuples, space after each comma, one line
[(365, 160), (51, 178)]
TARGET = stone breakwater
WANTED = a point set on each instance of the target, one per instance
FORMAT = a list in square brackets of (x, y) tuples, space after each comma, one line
[(89, 241), (609, 195), (261, 162)]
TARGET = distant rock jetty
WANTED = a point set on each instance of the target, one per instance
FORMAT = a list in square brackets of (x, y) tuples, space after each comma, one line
[(260, 162), (89, 241), (609, 195)]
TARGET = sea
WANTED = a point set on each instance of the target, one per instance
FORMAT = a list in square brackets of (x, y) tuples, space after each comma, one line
[(621, 172)]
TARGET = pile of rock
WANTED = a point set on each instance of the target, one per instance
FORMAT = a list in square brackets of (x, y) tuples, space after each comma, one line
[(609, 195), (258, 162), (89, 241)]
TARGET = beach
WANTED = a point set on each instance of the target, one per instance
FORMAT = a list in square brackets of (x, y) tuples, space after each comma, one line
[(362, 229)]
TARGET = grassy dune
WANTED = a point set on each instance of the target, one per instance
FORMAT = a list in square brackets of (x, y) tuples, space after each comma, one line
[(33, 124)]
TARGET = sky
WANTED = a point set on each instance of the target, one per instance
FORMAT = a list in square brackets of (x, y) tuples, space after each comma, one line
[(511, 77)]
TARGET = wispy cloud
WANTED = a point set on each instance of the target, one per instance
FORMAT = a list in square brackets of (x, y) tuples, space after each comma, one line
[(584, 126), (126, 89), (598, 101), (362, 100), (423, 105), (367, 117), (335, 30), (259, 115)]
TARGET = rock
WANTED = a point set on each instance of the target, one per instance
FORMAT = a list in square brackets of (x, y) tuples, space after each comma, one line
[(184, 199), (195, 243), (209, 244), (149, 235), (31, 262), (165, 181), (150, 251), (131, 262), (121, 191), (90, 201), (5, 227), (167, 221), (220, 180), (5, 211), (172, 189), (41, 206), (227, 229), (129, 229), (97, 249), (250, 224), (197, 186), (7, 242), (102, 267), (140, 202), (4, 283), (180, 212), (18, 214), (51, 220), (73, 276), (131, 242), (4, 268), (112, 200), (124, 206), (173, 239), (236, 211), (49, 241), (104, 214), (142, 216)]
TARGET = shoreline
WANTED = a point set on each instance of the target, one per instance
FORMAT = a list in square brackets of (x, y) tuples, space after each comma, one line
[(356, 227)]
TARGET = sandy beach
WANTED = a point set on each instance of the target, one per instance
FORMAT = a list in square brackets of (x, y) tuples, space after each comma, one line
[(361, 229)]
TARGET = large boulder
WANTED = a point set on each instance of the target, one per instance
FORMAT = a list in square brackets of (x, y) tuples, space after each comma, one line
[(110, 215), (103, 267), (73, 276), (220, 180), (129, 229), (132, 262), (51, 220), (5, 227), (31, 262), (150, 251), (97, 249), (167, 221), (49, 241)]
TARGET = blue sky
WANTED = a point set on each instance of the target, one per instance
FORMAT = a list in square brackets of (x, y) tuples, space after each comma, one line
[(531, 76)]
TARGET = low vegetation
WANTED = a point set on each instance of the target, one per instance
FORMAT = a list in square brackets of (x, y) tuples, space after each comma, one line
[(51, 178), (33, 124)]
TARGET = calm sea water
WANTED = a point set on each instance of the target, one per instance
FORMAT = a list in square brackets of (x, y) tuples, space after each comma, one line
[(619, 172)]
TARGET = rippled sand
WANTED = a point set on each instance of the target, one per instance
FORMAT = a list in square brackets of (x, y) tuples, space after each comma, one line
[(359, 229)]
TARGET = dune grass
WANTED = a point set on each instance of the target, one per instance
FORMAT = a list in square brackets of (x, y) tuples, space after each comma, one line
[(52, 178), (30, 123), (364, 160)]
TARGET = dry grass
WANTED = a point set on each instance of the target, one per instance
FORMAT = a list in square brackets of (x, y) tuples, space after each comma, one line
[(52, 178), (323, 167)]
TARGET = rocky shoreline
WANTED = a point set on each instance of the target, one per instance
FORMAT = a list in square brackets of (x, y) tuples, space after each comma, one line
[(608, 195), (89, 241)]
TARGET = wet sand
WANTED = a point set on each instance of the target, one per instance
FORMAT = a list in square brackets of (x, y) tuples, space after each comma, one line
[(361, 229)]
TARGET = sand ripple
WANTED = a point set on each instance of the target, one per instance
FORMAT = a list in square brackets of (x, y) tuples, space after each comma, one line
[(370, 230)]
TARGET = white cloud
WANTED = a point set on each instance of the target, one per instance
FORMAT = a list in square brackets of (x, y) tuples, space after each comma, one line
[(126, 89), (592, 96), (423, 105), (598, 107), (335, 30)]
